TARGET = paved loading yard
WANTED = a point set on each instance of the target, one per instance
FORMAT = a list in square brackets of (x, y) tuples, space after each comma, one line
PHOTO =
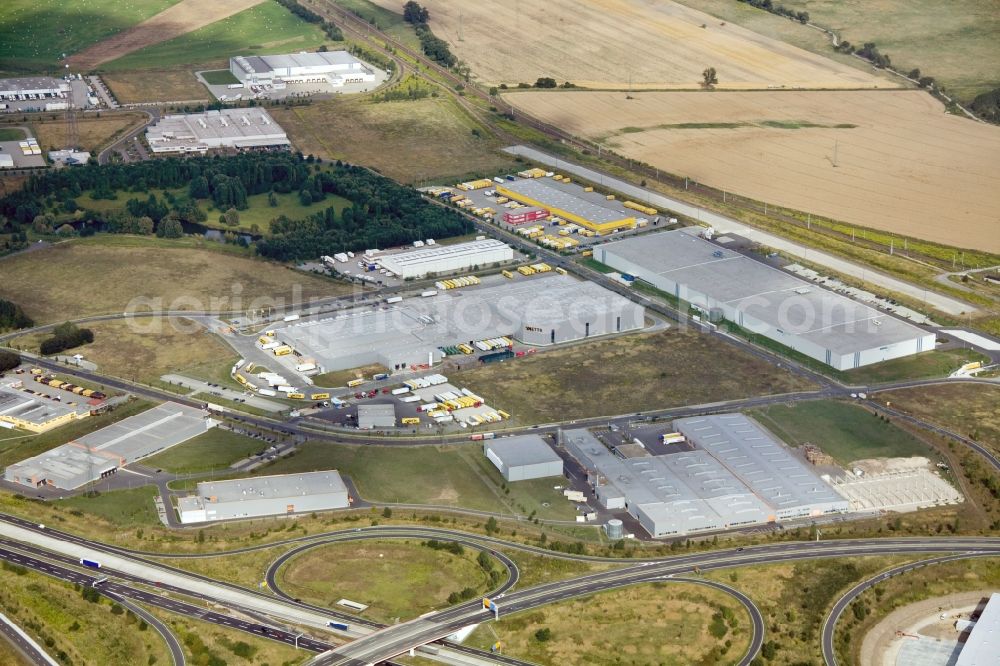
[(551, 309)]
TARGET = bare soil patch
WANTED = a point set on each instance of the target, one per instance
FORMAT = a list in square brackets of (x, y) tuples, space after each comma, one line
[(605, 43), (183, 17), (890, 160)]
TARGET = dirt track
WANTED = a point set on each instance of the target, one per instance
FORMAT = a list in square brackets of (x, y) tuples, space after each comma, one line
[(604, 43), (182, 18), (891, 160)]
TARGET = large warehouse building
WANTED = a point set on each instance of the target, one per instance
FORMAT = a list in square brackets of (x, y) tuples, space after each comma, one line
[(39, 86), (588, 214), (738, 476), (523, 457), (821, 324), (264, 496), (331, 67), (103, 452), (547, 310), (444, 259), (241, 129)]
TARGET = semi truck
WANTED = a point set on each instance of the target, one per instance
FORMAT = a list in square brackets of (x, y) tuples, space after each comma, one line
[(93, 564)]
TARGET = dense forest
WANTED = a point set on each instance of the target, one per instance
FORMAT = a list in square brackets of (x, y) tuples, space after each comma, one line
[(383, 213)]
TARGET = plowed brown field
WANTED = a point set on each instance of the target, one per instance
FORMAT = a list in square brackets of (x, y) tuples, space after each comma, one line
[(183, 17), (604, 43), (891, 160)]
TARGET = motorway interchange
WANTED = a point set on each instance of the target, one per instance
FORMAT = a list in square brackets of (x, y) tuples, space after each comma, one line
[(134, 577)]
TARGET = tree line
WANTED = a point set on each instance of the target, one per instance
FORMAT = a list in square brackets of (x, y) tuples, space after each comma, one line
[(309, 16), (65, 336), (433, 47), (780, 10), (382, 214)]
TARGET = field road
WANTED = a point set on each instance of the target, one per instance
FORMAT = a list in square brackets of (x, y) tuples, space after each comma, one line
[(24, 643), (723, 224), (830, 623)]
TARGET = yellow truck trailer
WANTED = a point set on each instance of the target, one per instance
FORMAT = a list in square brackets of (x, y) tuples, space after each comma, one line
[(410, 420)]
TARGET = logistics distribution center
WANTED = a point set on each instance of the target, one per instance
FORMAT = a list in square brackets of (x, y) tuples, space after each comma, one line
[(545, 310), (39, 86), (101, 453), (523, 457), (264, 496), (441, 259), (35, 412), (226, 128), (737, 475), (821, 324), (334, 68), (588, 214)]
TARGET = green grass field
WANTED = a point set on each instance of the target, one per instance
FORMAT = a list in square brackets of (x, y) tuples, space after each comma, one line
[(456, 476), (124, 508), (35, 33), (213, 450), (266, 28), (936, 363), (219, 77), (845, 431), (972, 410), (11, 134), (402, 579), (660, 623)]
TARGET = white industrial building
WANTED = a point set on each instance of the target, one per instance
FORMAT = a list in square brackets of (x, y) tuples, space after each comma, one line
[(103, 452), (737, 477), (376, 416), (721, 283), (523, 457), (226, 128), (550, 309), (982, 647), (6, 161), (445, 259), (264, 496), (334, 68), (39, 86)]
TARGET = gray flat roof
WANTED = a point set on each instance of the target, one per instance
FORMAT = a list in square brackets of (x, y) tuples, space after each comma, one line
[(143, 434), (540, 191), (280, 486), (687, 491), (768, 294), (33, 408), (31, 83), (983, 644), (434, 253), (764, 464), (456, 315), (238, 125), (522, 450)]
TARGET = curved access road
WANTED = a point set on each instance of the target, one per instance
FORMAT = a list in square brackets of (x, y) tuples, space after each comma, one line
[(830, 623), (176, 651)]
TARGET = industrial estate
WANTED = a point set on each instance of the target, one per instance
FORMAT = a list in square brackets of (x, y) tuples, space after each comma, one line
[(364, 332)]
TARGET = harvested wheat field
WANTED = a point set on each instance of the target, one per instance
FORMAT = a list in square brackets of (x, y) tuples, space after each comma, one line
[(183, 17), (601, 43), (891, 160)]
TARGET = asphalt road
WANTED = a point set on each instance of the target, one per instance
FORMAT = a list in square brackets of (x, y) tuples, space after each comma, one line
[(400, 638), (830, 623), (29, 650), (176, 651), (388, 642)]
